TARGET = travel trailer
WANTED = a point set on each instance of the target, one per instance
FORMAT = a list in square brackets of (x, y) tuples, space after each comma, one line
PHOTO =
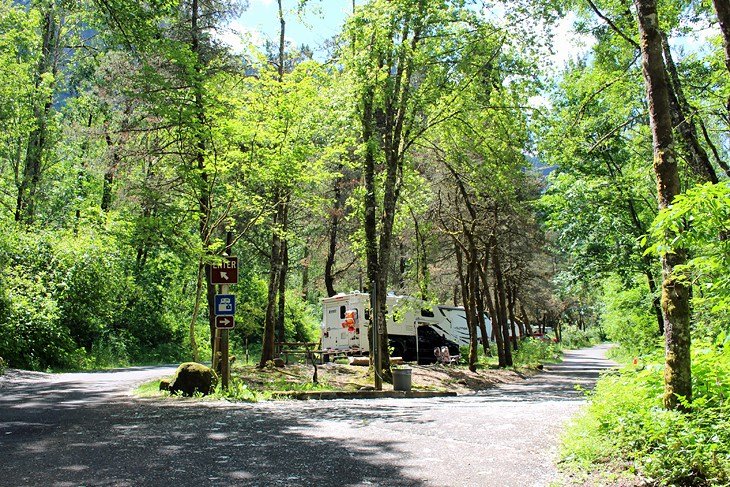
[(452, 323), (412, 331)]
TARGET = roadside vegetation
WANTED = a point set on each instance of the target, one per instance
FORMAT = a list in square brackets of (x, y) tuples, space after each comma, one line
[(625, 430)]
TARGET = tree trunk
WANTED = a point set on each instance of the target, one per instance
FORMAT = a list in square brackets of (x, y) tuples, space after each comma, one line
[(656, 303), (275, 301), (525, 319), (682, 120), (275, 264), (512, 314), (464, 280), (402, 265), (501, 302), (204, 197), (421, 258), (479, 296), (106, 193), (305, 272), (722, 7), (281, 313), (329, 278), (493, 313), (282, 31), (28, 185), (675, 294)]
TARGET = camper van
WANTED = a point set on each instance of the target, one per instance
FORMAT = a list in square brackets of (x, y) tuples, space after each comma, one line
[(413, 333)]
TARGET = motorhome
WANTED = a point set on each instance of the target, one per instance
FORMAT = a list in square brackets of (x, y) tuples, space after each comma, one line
[(413, 331)]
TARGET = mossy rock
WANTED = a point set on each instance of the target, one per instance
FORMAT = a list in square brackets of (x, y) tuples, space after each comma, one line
[(191, 378)]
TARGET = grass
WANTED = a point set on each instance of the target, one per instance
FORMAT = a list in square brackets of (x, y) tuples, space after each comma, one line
[(625, 431), (150, 389)]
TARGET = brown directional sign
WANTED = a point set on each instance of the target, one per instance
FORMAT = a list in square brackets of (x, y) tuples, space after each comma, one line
[(226, 272), (224, 322)]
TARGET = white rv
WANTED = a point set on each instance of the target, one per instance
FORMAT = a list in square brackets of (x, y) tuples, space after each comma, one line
[(452, 322), (346, 323)]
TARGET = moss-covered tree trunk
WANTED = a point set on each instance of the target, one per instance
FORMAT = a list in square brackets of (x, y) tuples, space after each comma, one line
[(675, 294)]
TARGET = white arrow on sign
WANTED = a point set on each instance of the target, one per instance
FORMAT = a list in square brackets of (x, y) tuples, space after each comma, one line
[(224, 276), (225, 321)]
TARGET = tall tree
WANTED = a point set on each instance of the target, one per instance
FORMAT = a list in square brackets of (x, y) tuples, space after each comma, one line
[(675, 292), (45, 83)]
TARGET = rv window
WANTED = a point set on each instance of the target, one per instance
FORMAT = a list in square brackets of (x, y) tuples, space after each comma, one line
[(367, 314), (427, 313), (342, 312)]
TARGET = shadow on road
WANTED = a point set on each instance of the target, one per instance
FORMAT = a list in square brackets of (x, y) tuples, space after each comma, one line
[(85, 430), (64, 434), (564, 381)]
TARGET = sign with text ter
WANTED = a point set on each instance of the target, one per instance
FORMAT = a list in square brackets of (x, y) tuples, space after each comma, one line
[(226, 272)]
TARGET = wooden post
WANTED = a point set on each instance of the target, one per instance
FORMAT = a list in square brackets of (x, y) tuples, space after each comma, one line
[(225, 363), (377, 366)]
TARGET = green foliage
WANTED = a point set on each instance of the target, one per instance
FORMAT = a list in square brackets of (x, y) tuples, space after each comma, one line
[(301, 320), (700, 223), (533, 351), (239, 391), (573, 337), (31, 335), (69, 302), (625, 420), (627, 315)]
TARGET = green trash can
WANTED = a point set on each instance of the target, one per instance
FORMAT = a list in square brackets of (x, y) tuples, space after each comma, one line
[(402, 379)]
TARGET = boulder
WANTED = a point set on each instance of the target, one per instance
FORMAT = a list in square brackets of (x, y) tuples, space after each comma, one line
[(279, 362), (192, 377)]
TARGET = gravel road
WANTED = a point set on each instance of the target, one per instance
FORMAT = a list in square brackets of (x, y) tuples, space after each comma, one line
[(86, 429)]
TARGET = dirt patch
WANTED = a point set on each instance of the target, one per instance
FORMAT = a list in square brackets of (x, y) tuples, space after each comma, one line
[(342, 377)]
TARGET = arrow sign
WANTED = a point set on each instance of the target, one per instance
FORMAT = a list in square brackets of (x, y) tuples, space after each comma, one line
[(226, 272), (224, 322)]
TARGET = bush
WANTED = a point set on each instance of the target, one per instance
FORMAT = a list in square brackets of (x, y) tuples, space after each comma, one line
[(532, 352), (625, 420), (573, 337), (31, 335), (70, 301), (628, 318), (702, 214)]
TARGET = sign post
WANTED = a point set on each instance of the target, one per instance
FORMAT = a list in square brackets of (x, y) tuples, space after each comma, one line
[(225, 364), (377, 366), (224, 309)]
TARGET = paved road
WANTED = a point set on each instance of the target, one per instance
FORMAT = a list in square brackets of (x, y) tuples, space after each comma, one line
[(85, 429)]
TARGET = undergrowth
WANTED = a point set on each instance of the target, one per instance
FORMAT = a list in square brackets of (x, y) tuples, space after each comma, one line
[(626, 428)]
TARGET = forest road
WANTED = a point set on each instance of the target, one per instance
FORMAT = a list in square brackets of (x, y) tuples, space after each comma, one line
[(86, 429)]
